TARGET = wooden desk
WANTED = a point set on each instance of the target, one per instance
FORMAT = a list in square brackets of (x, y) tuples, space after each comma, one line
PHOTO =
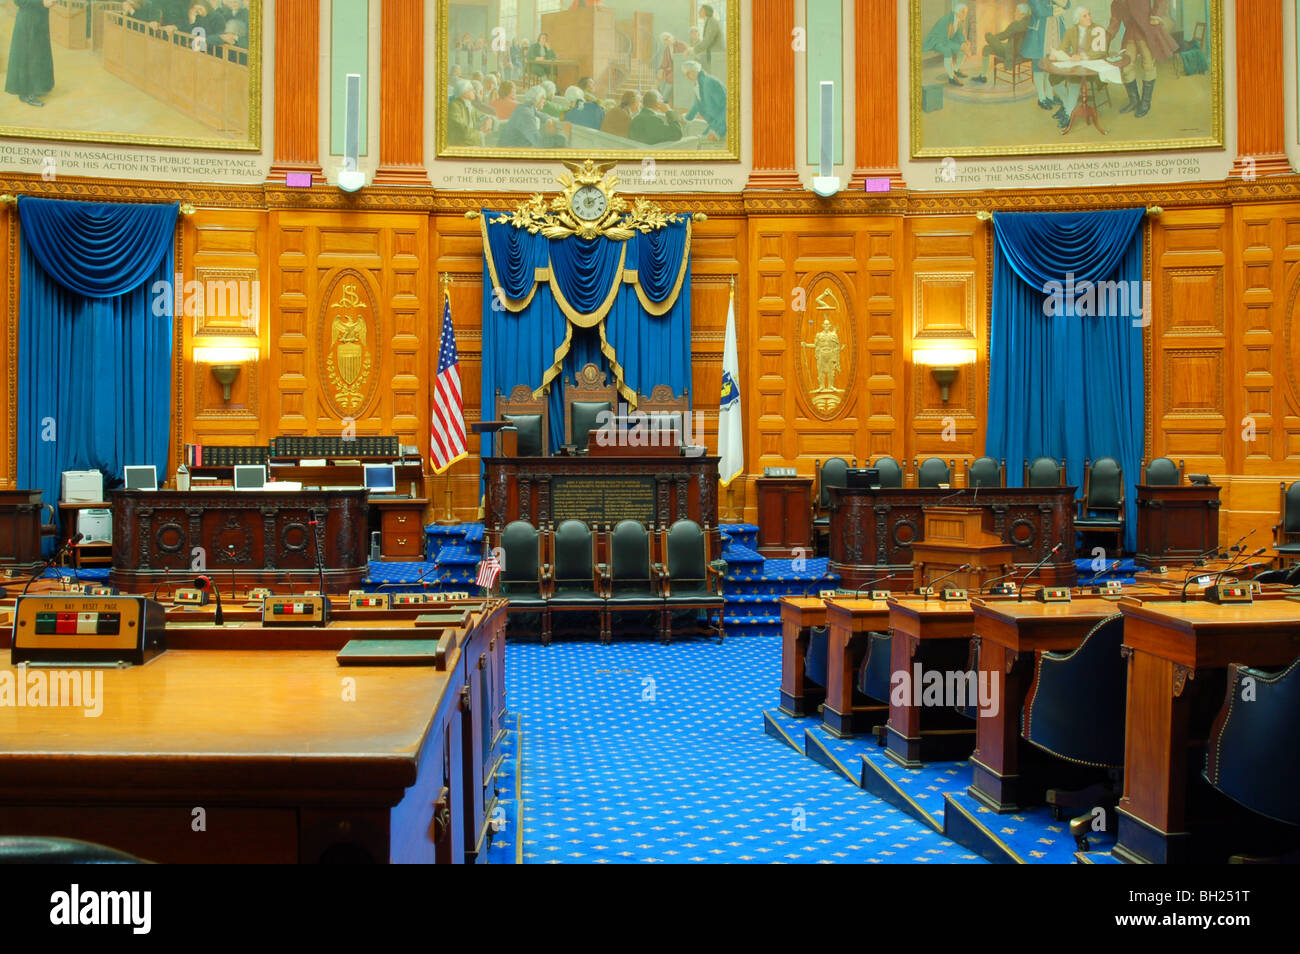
[(799, 614), (654, 490), (1010, 634), (20, 527), (401, 528), (1176, 524), (872, 531), (262, 537), (936, 635), (288, 762), (1168, 643), (848, 620), (784, 516)]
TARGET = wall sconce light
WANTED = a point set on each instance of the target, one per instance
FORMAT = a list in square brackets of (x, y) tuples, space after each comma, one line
[(943, 364), (225, 364)]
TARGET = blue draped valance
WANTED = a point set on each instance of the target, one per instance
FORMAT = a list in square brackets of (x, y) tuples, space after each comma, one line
[(624, 305), (1065, 357), (94, 339), (97, 249)]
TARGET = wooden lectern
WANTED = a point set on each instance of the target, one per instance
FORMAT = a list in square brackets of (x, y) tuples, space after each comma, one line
[(953, 536)]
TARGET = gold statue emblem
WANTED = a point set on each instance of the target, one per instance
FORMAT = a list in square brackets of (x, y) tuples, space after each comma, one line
[(348, 364), (826, 349)]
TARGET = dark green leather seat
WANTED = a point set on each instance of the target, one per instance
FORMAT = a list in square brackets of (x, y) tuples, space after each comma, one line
[(690, 582), (1162, 472), (585, 417), (891, 473), (933, 472), (531, 441), (523, 575), (985, 472), (1044, 472), (1102, 508)]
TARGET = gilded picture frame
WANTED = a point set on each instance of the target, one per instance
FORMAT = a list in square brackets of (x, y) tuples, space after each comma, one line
[(977, 87), (123, 79), (468, 46)]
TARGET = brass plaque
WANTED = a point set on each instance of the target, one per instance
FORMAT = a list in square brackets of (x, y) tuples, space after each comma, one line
[(601, 499)]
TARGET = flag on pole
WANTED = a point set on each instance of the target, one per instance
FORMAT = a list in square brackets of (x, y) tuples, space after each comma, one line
[(488, 571), (447, 415), (731, 439)]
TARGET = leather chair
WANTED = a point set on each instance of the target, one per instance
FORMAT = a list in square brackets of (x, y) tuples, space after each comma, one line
[(1045, 472), (528, 414), (830, 473), (1075, 711), (986, 472), (874, 676), (25, 850), (1102, 508), (588, 405), (630, 584), (1251, 755), (891, 473), (1162, 472), (530, 441), (1287, 575), (524, 575), (1285, 531), (814, 658), (933, 472), (575, 583), (690, 581)]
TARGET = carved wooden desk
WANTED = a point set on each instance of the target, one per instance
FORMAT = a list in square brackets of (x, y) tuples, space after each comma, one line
[(872, 531), (253, 538), (1176, 525)]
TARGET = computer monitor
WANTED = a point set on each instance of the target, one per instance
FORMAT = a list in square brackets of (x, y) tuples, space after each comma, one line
[(868, 477), (140, 477), (381, 478), (250, 476)]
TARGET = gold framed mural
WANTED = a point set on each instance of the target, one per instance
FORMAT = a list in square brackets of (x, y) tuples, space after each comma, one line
[(606, 79), (1041, 77), (184, 73)]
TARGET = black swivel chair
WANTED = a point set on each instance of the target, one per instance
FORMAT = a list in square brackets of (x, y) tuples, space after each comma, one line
[(1288, 529), (891, 473), (1251, 756), (1102, 508), (630, 584), (986, 472), (1045, 472), (1162, 472), (575, 585), (933, 472), (830, 473), (26, 850), (524, 575), (1075, 711), (692, 585)]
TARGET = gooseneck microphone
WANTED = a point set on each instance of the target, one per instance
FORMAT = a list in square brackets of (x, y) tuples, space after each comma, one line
[(857, 594), (997, 579), (205, 583), (314, 523), (1236, 545), (1020, 596), (1242, 560), (161, 583), (930, 585), (52, 561)]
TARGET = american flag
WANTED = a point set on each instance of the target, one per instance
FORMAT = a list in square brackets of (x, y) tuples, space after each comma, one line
[(488, 571), (447, 420)]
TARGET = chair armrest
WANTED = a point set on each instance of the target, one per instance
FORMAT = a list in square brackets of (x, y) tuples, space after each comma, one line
[(665, 585), (718, 569), (546, 581), (601, 580)]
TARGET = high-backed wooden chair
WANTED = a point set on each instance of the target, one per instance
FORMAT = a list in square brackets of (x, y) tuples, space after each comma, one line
[(833, 472), (933, 472), (1045, 472), (529, 416), (1102, 508), (891, 473), (1162, 472), (1286, 533), (986, 472), (588, 404), (666, 411)]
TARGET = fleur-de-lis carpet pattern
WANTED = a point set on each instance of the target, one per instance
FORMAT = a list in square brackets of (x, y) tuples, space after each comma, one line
[(638, 753)]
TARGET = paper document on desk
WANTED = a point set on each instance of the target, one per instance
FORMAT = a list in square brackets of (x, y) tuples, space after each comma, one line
[(1106, 72)]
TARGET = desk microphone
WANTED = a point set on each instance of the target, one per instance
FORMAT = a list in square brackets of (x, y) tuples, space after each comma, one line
[(996, 579), (314, 523), (1190, 576), (1020, 596), (857, 594), (930, 585), (1200, 558), (1240, 561), (161, 583), (52, 561), (205, 583)]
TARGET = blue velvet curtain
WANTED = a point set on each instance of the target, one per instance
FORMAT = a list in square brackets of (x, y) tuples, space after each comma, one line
[(94, 339), (646, 336), (1065, 363)]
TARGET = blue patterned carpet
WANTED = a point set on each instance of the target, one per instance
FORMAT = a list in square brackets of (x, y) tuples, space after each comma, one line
[(641, 753)]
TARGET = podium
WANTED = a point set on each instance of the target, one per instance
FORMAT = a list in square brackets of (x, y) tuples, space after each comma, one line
[(954, 536)]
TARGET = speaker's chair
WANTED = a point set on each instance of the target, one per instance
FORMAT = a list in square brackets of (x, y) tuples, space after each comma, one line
[(588, 405)]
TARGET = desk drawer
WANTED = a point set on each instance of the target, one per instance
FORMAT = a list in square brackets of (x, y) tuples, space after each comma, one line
[(401, 522)]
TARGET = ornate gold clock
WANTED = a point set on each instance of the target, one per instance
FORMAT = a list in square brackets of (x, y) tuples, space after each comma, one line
[(588, 207)]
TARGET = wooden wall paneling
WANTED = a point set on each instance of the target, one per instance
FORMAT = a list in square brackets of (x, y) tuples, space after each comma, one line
[(947, 306), (772, 91), (401, 94), (1261, 121), (875, 130), (297, 88)]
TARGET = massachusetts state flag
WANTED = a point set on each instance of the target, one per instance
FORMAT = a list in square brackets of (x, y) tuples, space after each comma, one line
[(447, 415), (731, 438), (488, 571)]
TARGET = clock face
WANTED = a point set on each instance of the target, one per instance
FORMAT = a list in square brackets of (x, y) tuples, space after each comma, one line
[(589, 203)]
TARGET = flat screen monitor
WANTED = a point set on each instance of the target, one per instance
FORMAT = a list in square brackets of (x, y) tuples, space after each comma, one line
[(141, 477), (381, 478), (862, 477), (250, 476)]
